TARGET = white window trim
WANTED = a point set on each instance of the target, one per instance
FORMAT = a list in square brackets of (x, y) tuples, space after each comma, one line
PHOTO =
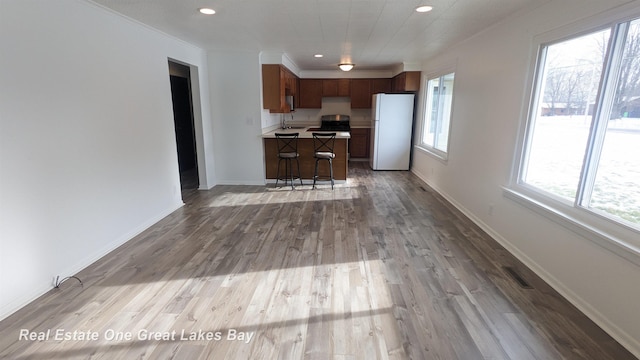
[(443, 156), (610, 234), (437, 154)]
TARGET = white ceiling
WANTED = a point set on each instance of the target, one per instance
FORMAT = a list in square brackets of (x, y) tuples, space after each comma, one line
[(373, 34)]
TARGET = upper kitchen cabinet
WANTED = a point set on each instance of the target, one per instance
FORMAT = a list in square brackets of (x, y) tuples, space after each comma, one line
[(361, 93), (336, 87), (380, 86), (278, 82), (406, 81), (291, 83), (310, 93)]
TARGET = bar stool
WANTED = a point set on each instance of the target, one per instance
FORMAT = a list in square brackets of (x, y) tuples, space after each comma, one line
[(287, 150), (323, 150)]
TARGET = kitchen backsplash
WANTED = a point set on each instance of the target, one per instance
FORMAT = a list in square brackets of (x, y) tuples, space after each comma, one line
[(332, 106), (311, 117)]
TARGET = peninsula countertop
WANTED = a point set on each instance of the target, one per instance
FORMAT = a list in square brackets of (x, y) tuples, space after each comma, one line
[(306, 150), (305, 132)]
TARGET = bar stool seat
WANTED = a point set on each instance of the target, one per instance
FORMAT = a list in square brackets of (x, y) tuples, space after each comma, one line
[(325, 155), (287, 152), (323, 144)]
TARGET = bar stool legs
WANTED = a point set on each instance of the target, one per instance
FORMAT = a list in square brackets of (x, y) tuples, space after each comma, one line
[(288, 171), (323, 150), (287, 151), (315, 173)]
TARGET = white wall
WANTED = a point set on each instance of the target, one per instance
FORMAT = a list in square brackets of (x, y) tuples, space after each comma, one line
[(236, 102), (490, 90), (87, 145), (203, 125)]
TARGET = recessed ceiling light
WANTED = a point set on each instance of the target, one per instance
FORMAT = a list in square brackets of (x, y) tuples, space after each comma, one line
[(424, 8), (207, 11), (318, 55)]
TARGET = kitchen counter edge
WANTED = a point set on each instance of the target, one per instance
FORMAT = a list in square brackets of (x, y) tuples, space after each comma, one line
[(304, 133)]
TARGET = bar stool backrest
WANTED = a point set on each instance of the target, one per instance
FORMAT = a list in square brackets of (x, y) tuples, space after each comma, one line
[(287, 143), (323, 142)]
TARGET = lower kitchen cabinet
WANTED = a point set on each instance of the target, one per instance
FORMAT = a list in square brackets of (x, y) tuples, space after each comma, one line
[(359, 143), (306, 159)]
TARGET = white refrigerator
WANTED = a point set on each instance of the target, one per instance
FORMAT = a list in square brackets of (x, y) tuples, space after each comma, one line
[(391, 131)]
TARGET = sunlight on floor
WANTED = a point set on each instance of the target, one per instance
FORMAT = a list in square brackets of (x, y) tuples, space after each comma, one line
[(238, 311), (282, 195)]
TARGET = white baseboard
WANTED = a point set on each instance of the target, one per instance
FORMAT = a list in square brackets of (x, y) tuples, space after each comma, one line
[(47, 285), (627, 341), (239, 182)]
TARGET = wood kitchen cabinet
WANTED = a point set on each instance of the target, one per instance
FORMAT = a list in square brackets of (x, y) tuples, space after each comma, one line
[(307, 162), (310, 93), (380, 86), (277, 83), (406, 81), (363, 89), (291, 83), (359, 143), (344, 87), (336, 87), (360, 93)]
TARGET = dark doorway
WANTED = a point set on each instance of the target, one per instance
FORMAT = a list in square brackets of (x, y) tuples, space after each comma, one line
[(183, 121)]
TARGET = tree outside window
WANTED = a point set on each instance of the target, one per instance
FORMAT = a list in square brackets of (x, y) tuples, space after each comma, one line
[(583, 142)]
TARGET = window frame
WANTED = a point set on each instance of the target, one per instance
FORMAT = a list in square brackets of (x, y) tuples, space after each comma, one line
[(616, 235), (432, 150)]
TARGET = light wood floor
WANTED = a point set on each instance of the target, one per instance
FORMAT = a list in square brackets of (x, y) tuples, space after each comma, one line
[(379, 268)]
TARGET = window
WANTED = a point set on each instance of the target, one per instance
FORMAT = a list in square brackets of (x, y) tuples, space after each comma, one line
[(582, 146), (437, 114)]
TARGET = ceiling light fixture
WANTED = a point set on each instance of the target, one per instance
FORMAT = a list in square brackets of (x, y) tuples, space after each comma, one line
[(318, 55), (346, 67), (424, 8), (207, 11)]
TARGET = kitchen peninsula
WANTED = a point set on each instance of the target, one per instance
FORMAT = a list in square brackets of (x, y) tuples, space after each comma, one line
[(305, 149)]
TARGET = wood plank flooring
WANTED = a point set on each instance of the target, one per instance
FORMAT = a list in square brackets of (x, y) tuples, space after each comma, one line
[(379, 268)]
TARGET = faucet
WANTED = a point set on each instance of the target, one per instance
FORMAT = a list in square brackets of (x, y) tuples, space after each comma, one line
[(283, 121)]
